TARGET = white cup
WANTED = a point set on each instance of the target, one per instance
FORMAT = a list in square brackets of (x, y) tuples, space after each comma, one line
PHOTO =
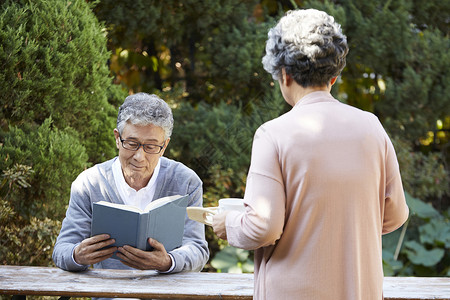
[(226, 204)]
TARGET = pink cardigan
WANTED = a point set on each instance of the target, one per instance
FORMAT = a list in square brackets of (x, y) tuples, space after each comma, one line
[(323, 186)]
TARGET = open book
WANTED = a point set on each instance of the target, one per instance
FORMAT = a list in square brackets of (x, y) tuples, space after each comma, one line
[(162, 219)]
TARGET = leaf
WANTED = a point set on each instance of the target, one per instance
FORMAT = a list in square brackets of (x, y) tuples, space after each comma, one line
[(241, 254), (232, 260), (388, 257), (225, 259), (248, 266), (235, 269), (420, 208), (419, 255), (387, 269), (390, 265), (390, 241), (436, 232)]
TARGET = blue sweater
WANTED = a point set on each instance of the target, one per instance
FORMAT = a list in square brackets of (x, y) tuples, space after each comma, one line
[(97, 184)]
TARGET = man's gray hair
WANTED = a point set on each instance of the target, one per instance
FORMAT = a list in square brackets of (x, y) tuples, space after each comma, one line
[(309, 44), (145, 109)]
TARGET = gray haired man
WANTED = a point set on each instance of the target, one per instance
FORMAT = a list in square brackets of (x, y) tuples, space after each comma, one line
[(138, 175)]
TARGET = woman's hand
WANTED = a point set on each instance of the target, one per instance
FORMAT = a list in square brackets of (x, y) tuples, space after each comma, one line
[(218, 224)]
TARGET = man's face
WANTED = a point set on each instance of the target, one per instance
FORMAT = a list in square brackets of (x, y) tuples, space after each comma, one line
[(138, 166)]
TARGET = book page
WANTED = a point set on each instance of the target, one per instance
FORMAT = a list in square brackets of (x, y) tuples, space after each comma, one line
[(161, 201), (121, 206)]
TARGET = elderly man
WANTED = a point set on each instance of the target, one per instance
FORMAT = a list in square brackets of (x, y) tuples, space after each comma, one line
[(137, 176)]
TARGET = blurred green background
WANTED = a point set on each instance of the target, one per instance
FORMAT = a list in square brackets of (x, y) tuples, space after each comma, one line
[(66, 66)]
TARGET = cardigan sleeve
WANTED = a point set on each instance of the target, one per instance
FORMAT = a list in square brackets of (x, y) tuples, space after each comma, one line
[(395, 209), (76, 227), (265, 200)]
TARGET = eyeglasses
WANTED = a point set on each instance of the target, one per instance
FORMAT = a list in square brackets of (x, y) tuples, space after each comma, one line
[(134, 146)]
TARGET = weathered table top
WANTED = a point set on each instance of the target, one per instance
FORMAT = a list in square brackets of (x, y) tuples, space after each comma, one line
[(44, 281)]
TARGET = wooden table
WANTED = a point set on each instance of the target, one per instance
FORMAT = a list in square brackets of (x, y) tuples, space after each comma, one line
[(43, 281)]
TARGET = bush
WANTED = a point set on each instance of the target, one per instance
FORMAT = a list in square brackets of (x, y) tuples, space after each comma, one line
[(57, 113), (422, 247), (211, 137), (22, 241), (56, 158), (53, 59), (424, 174)]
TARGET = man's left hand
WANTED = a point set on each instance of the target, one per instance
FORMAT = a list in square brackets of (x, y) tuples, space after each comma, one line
[(158, 259)]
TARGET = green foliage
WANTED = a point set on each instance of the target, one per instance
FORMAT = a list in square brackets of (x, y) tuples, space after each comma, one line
[(431, 14), (57, 113), (421, 209), (426, 249), (424, 174), (419, 255), (437, 232), (27, 243), (217, 136), (223, 136), (23, 242), (17, 175), (56, 158), (235, 72), (422, 84), (233, 260), (213, 48), (53, 59)]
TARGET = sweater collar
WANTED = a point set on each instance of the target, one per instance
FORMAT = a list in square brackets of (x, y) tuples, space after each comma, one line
[(316, 97)]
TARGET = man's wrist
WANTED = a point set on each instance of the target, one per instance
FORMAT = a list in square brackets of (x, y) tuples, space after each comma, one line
[(172, 266), (73, 256)]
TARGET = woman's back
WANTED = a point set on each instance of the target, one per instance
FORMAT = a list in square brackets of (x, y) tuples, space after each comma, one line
[(333, 161)]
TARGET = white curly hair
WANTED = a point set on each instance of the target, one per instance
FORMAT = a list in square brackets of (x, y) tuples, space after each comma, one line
[(309, 45)]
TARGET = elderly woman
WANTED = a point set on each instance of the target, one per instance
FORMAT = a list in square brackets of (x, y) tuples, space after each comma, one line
[(324, 182), (137, 176)]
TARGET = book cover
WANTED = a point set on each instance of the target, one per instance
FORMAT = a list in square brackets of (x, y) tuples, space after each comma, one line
[(163, 220)]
